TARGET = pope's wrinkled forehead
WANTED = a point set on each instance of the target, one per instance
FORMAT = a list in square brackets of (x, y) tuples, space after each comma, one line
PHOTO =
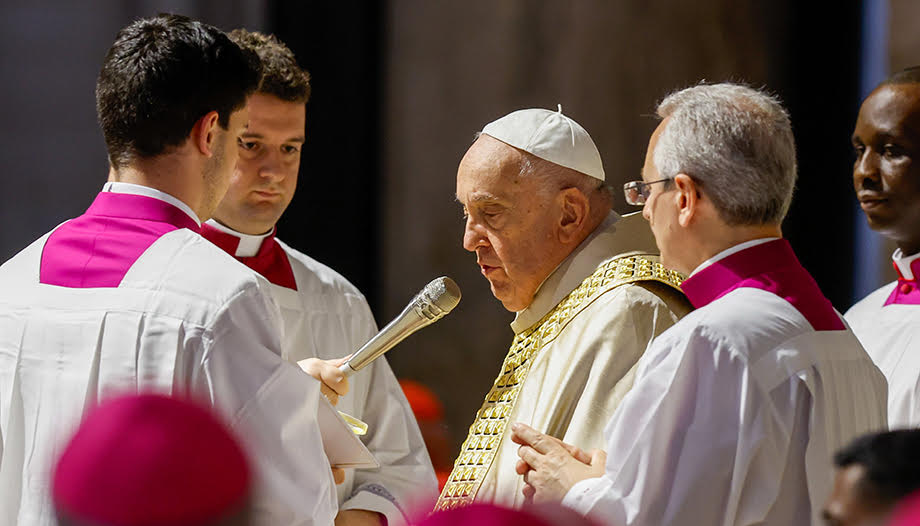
[(489, 151), (488, 167)]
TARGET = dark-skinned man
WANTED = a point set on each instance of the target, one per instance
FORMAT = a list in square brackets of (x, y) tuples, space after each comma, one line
[(886, 177)]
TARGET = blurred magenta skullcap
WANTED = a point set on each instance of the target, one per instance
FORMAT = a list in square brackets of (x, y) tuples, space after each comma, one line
[(482, 514), (907, 512), (151, 460)]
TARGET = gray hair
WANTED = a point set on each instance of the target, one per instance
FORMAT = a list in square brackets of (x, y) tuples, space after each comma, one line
[(554, 177), (736, 143)]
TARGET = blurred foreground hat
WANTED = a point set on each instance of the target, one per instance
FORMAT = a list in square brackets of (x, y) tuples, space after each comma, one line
[(151, 460), (485, 514), (907, 512), (551, 136)]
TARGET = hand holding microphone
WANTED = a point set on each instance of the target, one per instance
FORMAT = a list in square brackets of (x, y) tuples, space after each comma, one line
[(438, 298), (333, 383), (428, 306)]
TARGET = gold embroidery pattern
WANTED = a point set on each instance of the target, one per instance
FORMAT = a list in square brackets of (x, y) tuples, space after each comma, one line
[(488, 429)]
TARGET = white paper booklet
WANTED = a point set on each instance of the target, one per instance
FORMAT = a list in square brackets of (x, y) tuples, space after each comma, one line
[(343, 448)]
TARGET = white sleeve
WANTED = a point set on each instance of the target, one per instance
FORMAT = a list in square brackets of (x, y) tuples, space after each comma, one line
[(696, 441), (272, 405), (406, 475)]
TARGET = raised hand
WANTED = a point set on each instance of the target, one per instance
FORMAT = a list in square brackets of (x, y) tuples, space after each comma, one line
[(333, 382), (550, 466)]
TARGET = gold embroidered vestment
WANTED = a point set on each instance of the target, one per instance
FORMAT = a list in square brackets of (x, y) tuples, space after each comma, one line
[(488, 429)]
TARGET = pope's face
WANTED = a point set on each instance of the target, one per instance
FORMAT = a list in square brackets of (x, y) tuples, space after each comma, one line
[(886, 173), (509, 221), (265, 178), (661, 215), (847, 506)]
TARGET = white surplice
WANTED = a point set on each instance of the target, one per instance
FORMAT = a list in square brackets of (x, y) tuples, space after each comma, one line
[(186, 319), (887, 322), (327, 317), (737, 409)]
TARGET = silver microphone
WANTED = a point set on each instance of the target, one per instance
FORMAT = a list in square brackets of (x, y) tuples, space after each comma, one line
[(428, 306)]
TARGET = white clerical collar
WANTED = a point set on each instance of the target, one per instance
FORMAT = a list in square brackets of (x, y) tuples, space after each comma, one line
[(249, 244), (614, 237), (903, 262), (732, 250), (136, 189)]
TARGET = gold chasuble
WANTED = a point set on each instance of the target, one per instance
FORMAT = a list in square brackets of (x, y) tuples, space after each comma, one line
[(573, 356)]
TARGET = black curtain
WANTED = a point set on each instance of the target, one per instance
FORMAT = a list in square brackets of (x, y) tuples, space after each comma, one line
[(334, 215), (815, 70)]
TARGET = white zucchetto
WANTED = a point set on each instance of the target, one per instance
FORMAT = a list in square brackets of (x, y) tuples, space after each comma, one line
[(551, 136)]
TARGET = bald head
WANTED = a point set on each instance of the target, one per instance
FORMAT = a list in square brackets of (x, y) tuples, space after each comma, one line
[(524, 215)]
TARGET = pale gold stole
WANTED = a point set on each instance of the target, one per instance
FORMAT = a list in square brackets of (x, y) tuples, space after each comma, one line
[(488, 429)]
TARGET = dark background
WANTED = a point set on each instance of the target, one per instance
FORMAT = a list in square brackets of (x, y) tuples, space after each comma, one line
[(400, 87)]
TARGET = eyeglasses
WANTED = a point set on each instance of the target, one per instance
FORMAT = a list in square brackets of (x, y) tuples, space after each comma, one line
[(637, 192)]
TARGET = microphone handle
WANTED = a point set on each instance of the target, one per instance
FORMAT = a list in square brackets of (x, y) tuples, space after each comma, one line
[(396, 331)]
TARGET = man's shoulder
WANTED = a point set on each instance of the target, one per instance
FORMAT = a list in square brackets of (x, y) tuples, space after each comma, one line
[(634, 280), (184, 263), (180, 276), (641, 307), (867, 308), (24, 262), (750, 311), (642, 294), (314, 277), (750, 323)]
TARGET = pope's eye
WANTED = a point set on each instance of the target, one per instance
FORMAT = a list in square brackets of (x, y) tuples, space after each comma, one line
[(493, 214)]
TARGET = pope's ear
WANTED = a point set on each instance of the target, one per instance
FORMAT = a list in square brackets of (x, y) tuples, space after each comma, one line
[(688, 199), (574, 207), (204, 133)]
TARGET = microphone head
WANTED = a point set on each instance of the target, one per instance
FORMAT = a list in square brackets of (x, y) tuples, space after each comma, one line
[(443, 293)]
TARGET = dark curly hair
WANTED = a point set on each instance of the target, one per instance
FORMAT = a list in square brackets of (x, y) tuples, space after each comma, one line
[(281, 75), (160, 76)]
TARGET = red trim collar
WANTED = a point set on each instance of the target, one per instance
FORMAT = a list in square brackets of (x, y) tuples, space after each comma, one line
[(772, 267), (271, 261)]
